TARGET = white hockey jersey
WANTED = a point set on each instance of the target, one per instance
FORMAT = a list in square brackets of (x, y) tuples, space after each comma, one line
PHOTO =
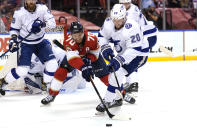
[(22, 23), (128, 41), (38, 67), (74, 79), (149, 29)]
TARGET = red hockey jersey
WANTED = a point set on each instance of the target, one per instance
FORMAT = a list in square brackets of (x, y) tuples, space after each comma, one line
[(89, 48)]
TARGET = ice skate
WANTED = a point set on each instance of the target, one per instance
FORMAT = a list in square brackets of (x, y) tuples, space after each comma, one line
[(48, 99), (129, 99), (114, 103), (129, 88)]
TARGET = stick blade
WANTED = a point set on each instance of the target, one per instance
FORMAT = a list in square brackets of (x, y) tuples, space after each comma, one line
[(121, 117), (166, 51)]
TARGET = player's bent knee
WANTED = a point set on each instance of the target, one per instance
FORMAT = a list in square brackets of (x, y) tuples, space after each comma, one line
[(51, 65), (22, 70), (61, 74)]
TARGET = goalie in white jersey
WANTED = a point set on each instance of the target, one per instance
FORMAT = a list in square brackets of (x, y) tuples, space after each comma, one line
[(28, 25), (126, 35), (149, 31), (33, 81)]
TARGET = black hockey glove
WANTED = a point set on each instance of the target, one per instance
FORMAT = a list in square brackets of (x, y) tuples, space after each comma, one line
[(87, 61), (87, 72)]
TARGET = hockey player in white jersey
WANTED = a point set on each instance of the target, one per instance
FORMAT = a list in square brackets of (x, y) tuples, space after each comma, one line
[(30, 19), (131, 47), (149, 31), (34, 79)]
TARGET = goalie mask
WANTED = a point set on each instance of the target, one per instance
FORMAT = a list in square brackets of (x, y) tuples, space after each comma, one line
[(30, 5)]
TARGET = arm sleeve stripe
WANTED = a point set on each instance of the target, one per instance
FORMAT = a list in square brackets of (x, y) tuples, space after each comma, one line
[(20, 37), (14, 29), (150, 31)]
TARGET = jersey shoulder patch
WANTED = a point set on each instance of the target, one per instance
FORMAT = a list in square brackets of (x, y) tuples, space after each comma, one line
[(108, 19), (128, 25)]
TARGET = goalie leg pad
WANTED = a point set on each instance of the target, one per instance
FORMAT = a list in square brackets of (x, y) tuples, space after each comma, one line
[(31, 83), (16, 73)]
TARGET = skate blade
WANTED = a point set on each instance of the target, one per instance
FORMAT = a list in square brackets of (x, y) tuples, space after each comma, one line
[(121, 117), (99, 113), (47, 105)]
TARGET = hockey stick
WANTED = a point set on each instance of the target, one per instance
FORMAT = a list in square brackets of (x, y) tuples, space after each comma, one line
[(97, 92), (166, 51), (56, 42), (118, 92), (114, 117), (16, 45), (171, 54)]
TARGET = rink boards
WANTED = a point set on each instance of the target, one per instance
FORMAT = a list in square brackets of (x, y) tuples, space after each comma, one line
[(181, 43)]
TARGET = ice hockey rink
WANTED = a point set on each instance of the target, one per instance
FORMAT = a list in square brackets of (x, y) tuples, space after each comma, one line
[(166, 102)]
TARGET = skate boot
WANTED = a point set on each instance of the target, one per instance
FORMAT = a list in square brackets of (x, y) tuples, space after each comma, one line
[(2, 84), (48, 99), (129, 99), (114, 103), (129, 88)]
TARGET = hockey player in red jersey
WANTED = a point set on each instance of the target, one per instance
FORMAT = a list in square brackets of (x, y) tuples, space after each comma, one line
[(83, 53)]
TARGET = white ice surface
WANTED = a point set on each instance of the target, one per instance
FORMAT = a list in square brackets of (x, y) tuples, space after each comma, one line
[(167, 101)]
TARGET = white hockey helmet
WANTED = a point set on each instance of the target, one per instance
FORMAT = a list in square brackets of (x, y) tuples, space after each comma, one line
[(118, 12), (124, 1)]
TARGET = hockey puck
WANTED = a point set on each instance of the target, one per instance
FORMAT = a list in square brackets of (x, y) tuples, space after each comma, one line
[(108, 125)]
